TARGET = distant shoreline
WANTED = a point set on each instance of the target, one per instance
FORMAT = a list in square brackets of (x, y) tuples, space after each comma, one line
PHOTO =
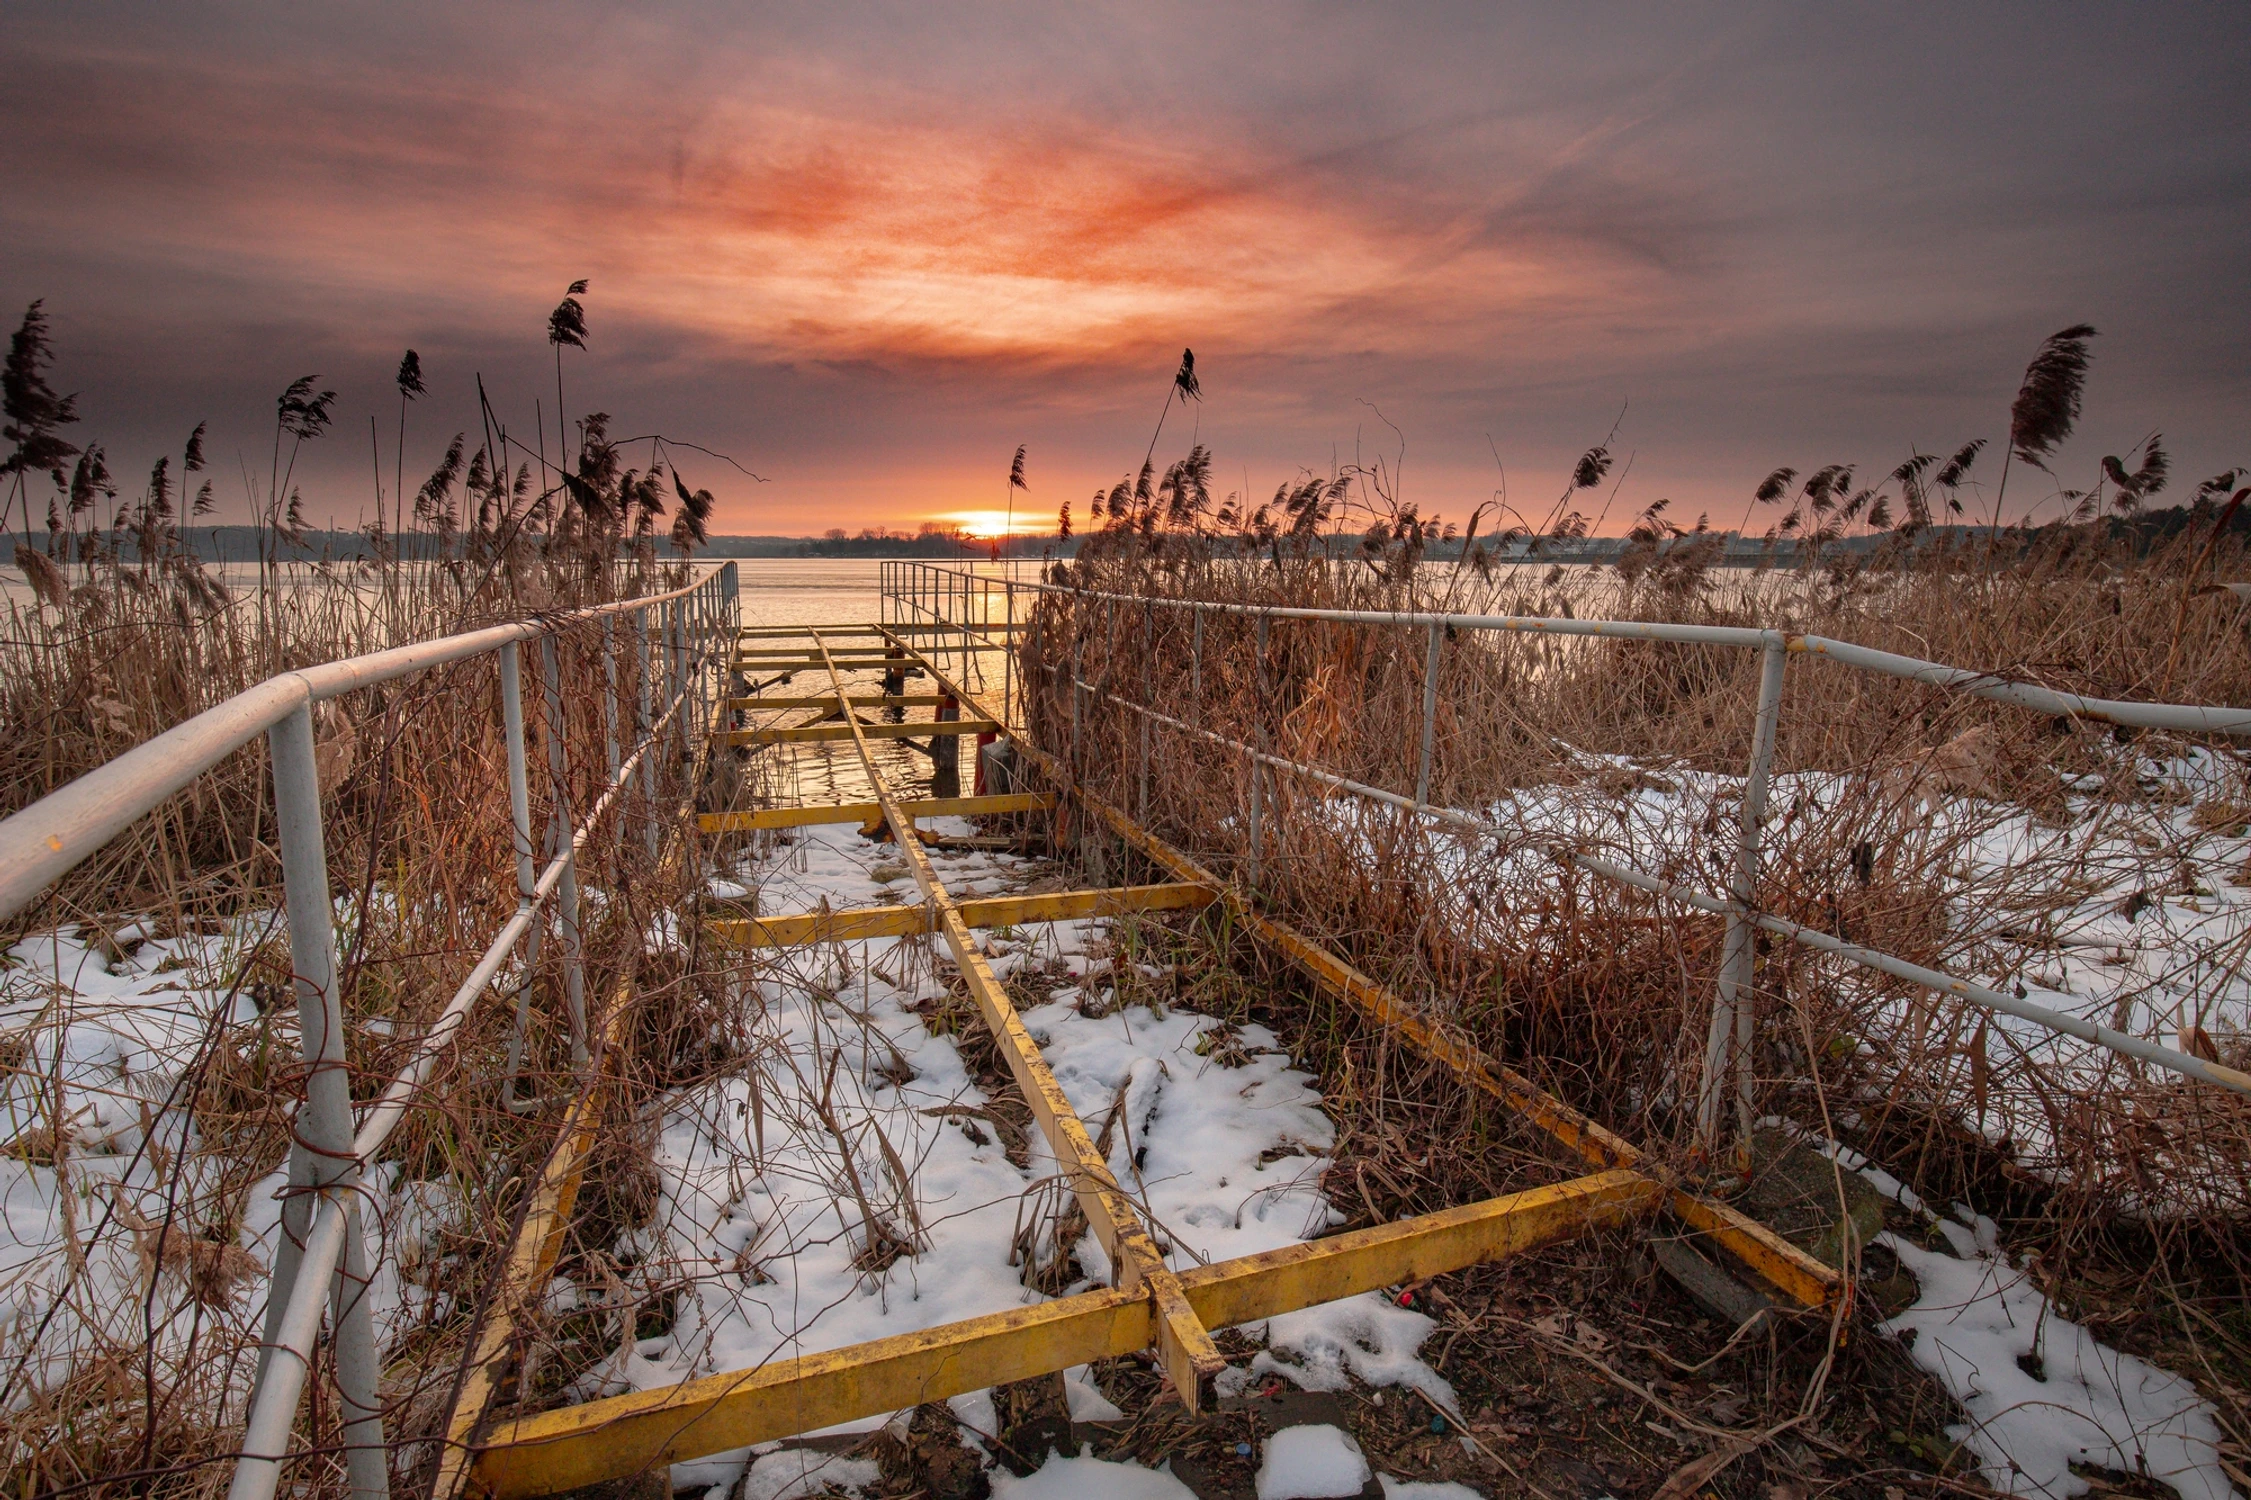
[(240, 544)]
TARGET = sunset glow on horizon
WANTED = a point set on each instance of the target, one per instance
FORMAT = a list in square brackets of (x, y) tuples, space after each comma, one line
[(991, 525), (863, 259)]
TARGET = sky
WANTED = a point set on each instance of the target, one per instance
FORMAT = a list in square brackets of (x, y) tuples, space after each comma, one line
[(864, 252)]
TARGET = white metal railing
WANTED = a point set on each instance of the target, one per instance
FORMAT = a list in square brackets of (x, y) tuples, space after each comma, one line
[(958, 602), (682, 639)]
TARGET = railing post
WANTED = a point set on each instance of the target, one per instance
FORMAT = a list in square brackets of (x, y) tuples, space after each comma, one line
[(1732, 1005), (1258, 767), (323, 1126), (1078, 641), (610, 718), (1148, 649), (519, 810), (672, 679), (730, 629), (648, 737), (1008, 653), (1430, 713), (566, 895), (359, 1365), (1196, 669)]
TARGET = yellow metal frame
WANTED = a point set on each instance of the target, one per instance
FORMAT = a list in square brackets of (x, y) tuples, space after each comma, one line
[(1758, 1249), (553, 1451), (852, 729), (1151, 1305), (828, 701), (869, 812), (855, 923), (1184, 1346), (849, 660)]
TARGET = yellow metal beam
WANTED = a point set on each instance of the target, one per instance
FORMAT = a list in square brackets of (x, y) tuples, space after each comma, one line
[(868, 812), (1319, 1271), (846, 631), (812, 734), (610, 1439), (1183, 1345), (856, 923), (1751, 1244), (772, 657), (828, 700)]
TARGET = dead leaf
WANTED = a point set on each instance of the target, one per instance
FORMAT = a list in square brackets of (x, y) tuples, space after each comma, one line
[(336, 752)]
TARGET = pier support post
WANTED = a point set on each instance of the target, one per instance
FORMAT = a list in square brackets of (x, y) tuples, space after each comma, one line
[(1258, 767), (321, 1159), (1430, 713), (564, 847), (1729, 1043), (519, 810)]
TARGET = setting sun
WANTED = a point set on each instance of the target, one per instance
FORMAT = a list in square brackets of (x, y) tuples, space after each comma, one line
[(989, 524)]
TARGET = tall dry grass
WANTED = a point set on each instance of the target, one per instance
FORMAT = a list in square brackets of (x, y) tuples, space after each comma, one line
[(1959, 834), (131, 1335)]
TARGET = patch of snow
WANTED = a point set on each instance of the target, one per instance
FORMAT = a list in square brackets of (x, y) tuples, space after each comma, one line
[(796, 1472), (1311, 1463), (1983, 1328), (1088, 1404), (1211, 1130), (1978, 1317), (1364, 1336), (1089, 1478)]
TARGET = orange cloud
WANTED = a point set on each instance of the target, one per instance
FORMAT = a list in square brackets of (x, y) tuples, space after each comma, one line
[(838, 238)]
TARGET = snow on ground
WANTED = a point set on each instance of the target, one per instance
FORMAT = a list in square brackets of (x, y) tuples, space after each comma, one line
[(2133, 912), (1313, 1462), (108, 1028), (2040, 1391), (772, 1202), (1085, 1478)]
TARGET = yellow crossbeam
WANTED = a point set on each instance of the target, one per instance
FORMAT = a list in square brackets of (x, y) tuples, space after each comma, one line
[(869, 812), (828, 700), (808, 734), (800, 632), (856, 632), (988, 911), (1752, 1245), (807, 661), (554, 1451), (777, 657)]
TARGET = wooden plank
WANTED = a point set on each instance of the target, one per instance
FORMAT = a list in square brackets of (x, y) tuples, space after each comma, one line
[(609, 1439), (813, 734), (1184, 1346), (1754, 1246), (869, 812), (855, 923)]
